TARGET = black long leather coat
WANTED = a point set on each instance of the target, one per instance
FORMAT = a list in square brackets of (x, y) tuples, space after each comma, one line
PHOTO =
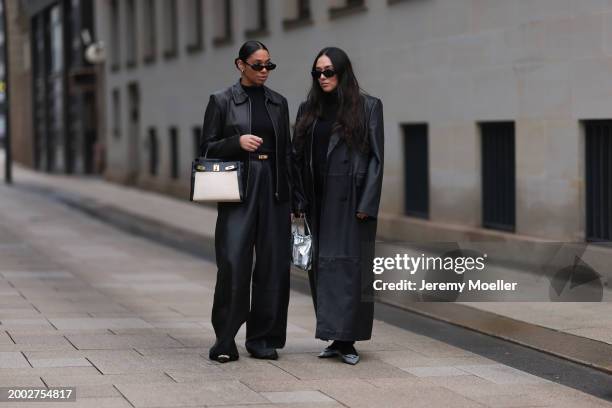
[(228, 116), (341, 278)]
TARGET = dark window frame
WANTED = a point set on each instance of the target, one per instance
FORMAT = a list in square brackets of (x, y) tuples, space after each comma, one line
[(196, 132), (117, 113), (262, 21), (132, 33), (115, 36), (197, 45), (150, 32), (171, 50), (351, 7), (416, 170), (498, 175), (173, 134), (153, 142), (227, 37), (303, 19), (598, 180)]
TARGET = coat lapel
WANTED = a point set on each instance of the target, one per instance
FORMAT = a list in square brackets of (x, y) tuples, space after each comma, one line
[(333, 141)]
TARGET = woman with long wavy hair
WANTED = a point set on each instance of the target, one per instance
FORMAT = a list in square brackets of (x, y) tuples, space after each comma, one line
[(338, 170)]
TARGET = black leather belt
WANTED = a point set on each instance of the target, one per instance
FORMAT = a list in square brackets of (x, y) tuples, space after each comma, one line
[(260, 156)]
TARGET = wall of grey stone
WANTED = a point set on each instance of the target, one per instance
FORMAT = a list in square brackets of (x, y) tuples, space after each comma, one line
[(545, 64)]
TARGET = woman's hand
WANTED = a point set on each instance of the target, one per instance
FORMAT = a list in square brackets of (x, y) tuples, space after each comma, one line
[(362, 216), (250, 143)]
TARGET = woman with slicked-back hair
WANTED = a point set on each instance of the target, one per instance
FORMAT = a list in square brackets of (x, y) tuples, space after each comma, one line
[(338, 168), (250, 122)]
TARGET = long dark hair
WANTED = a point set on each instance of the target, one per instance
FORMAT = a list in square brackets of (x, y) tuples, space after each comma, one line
[(350, 106), (247, 49)]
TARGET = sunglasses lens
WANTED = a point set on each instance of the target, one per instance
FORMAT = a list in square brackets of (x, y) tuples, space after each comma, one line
[(329, 73), (259, 67)]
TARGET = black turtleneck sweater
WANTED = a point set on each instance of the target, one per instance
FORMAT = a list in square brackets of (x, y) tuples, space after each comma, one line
[(321, 136), (261, 124)]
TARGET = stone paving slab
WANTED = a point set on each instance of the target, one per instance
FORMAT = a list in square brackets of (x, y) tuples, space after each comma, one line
[(296, 397), (13, 360), (121, 341), (97, 378), (176, 395)]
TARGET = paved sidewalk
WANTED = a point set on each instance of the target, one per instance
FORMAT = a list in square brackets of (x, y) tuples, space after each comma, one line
[(127, 322), (586, 320)]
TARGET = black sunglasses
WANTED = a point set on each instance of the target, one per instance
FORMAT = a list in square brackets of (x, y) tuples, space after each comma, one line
[(259, 66), (328, 73)]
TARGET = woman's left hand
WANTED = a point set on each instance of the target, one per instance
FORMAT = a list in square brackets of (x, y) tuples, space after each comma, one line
[(362, 216)]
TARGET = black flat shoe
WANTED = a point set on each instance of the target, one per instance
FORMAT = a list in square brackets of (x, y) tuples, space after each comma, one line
[(223, 358), (263, 354)]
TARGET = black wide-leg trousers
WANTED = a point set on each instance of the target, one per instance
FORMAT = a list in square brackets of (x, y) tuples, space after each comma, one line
[(258, 295)]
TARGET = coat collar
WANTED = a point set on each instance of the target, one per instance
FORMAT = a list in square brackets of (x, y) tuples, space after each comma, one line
[(240, 96)]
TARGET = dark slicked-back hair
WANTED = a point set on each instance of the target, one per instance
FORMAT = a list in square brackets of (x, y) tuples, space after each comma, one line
[(247, 49)]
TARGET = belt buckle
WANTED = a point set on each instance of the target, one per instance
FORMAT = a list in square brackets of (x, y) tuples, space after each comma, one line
[(262, 157)]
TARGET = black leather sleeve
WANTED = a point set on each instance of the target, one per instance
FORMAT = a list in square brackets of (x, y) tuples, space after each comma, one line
[(297, 162), (214, 144), (370, 197)]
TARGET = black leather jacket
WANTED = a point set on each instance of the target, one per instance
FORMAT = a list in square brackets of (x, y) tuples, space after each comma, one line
[(228, 116)]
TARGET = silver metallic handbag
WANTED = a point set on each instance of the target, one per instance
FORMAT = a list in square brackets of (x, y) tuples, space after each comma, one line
[(301, 255), (216, 181)]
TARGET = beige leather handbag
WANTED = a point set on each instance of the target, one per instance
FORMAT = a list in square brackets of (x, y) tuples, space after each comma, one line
[(216, 181)]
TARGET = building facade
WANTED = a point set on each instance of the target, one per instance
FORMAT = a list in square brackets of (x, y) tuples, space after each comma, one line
[(58, 85), (498, 114)]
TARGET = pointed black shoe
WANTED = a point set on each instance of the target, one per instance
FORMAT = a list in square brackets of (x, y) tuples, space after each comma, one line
[(330, 351), (349, 355)]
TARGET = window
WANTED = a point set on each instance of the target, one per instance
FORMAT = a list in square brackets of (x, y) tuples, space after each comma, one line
[(197, 133), (153, 152), (257, 8), (174, 153), (416, 170), (149, 32), (115, 52), (130, 17), (498, 175), (223, 22), (194, 25), (170, 29), (116, 114), (598, 162), (297, 14), (341, 8)]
